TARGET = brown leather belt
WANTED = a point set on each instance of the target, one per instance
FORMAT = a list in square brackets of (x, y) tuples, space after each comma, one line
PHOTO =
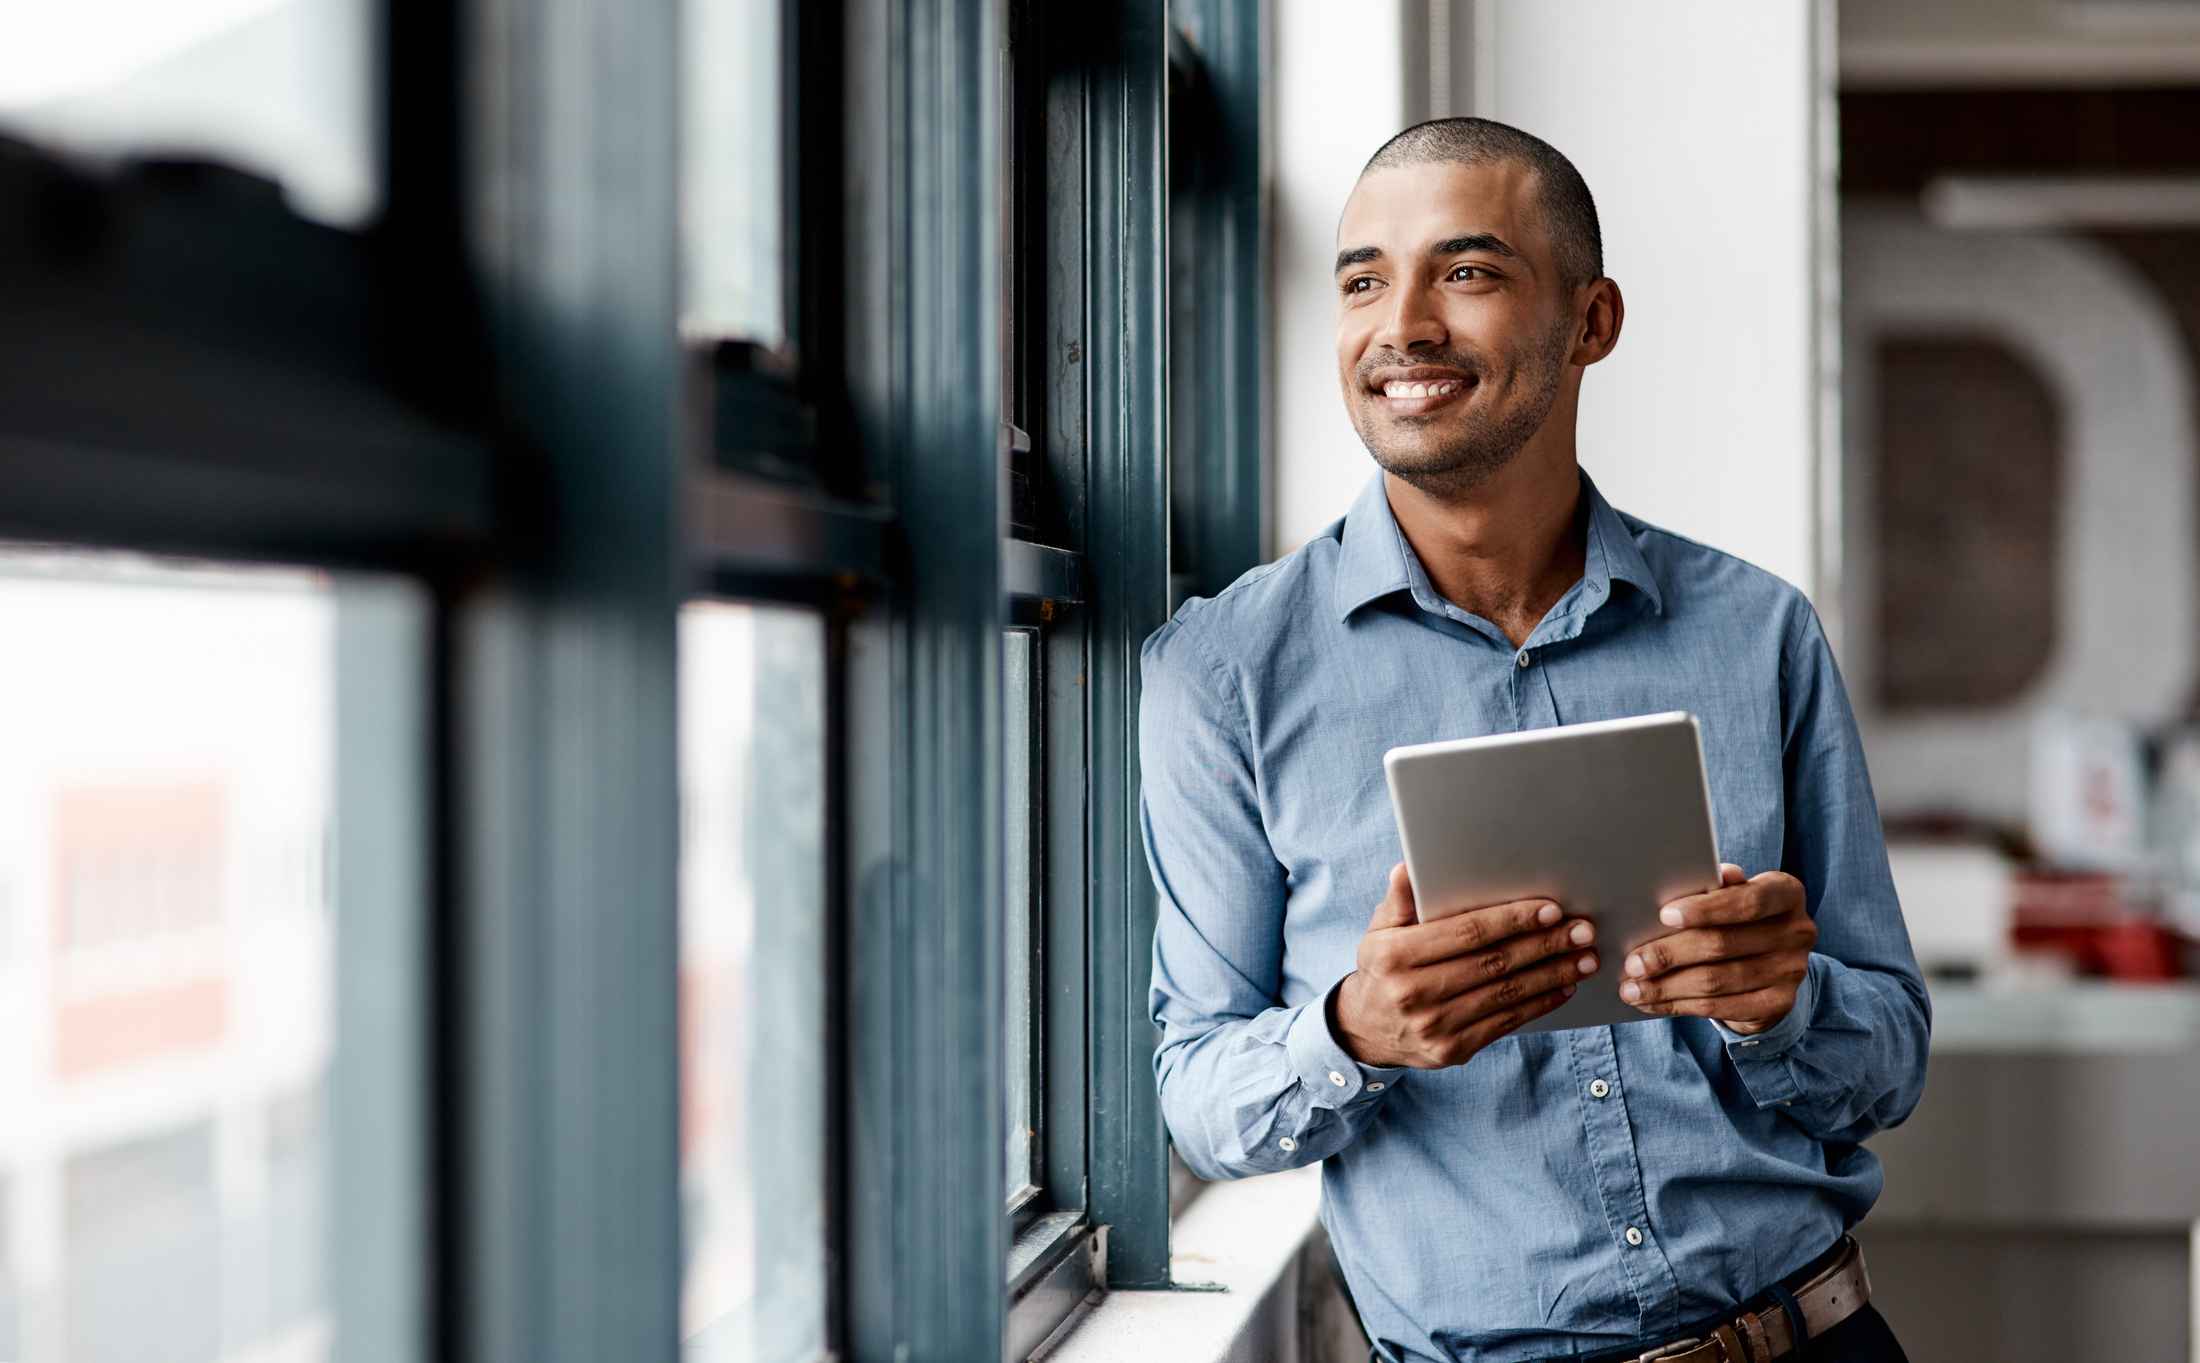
[(1828, 1297)]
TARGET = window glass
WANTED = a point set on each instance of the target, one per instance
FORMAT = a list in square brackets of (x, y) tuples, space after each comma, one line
[(1019, 654), (168, 997), (754, 1032), (281, 88), (732, 182)]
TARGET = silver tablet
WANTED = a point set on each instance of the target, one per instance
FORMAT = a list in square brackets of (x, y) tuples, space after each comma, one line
[(1612, 820)]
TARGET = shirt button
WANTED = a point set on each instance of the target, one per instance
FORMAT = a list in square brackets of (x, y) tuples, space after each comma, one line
[(1375, 1086), (1290, 1145), (1339, 1080), (1599, 1089), (1634, 1236), (1523, 659)]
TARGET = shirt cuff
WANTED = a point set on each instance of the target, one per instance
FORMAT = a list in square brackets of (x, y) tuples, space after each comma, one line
[(1761, 1057), (1330, 1074)]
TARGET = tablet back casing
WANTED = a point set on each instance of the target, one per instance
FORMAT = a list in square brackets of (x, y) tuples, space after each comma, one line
[(1611, 819)]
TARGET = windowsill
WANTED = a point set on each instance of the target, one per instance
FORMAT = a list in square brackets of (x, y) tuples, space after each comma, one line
[(1231, 1249)]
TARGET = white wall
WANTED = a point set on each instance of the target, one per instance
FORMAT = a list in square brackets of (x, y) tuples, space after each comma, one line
[(1696, 127), (1337, 95)]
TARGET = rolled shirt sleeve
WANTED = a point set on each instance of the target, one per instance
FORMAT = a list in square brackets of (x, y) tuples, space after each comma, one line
[(1849, 1059), (1248, 1085)]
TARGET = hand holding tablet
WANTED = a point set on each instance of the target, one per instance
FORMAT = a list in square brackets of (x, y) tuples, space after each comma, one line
[(1431, 994), (1738, 953), (1611, 821)]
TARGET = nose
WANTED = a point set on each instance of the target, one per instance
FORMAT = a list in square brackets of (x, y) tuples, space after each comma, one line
[(1411, 323)]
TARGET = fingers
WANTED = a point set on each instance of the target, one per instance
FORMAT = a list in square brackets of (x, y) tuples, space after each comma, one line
[(1510, 1020), (1456, 975), (1744, 1012), (1763, 896), (1475, 930), (1514, 990), (1696, 946), (1719, 980), (1397, 907), (1730, 874)]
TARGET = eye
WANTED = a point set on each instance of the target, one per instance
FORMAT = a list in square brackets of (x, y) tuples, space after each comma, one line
[(1464, 274), (1362, 283)]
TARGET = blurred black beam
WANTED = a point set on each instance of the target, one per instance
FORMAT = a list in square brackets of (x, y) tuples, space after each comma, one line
[(425, 507), (751, 532), (1036, 572), (187, 366)]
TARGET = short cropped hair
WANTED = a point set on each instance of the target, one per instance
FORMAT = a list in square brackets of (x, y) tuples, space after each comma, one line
[(1569, 213)]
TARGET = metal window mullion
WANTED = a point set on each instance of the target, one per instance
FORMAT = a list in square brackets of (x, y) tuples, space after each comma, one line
[(926, 1226), (1218, 477), (1127, 542), (567, 865)]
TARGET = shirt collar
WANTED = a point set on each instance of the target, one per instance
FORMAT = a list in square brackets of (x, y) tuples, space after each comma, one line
[(1374, 560)]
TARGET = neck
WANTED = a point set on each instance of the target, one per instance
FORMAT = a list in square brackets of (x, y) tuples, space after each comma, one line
[(1506, 550)]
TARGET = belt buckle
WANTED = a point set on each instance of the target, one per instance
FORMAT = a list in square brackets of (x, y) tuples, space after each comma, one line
[(1673, 1350)]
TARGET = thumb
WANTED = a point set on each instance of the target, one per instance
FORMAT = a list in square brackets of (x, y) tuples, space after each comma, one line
[(1730, 874), (1396, 910)]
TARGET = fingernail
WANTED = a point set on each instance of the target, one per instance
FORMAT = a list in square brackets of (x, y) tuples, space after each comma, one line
[(1588, 962), (1670, 916), (1582, 934), (1547, 915), (1634, 965), (1630, 991), (1568, 991)]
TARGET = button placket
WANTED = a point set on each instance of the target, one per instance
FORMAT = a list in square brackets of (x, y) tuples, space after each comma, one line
[(1619, 1180)]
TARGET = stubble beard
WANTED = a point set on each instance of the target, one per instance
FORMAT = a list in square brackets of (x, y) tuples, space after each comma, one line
[(1485, 442)]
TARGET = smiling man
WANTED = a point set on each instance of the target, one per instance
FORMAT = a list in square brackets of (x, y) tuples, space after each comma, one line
[(1679, 1187)]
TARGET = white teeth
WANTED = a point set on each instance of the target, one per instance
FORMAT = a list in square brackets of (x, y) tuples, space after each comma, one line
[(1424, 389)]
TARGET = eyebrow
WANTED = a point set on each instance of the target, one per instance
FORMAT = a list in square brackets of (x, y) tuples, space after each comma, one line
[(1450, 246), (1474, 241), (1358, 255)]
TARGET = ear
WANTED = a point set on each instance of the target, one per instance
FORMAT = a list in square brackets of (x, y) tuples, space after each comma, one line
[(1602, 313)]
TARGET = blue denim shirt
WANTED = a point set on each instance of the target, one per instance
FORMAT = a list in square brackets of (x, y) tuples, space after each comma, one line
[(1499, 1210)]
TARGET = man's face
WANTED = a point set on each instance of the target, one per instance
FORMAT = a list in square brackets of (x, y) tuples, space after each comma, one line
[(1454, 326)]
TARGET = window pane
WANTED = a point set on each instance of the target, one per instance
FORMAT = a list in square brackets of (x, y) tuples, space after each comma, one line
[(732, 186), (281, 88), (1019, 664), (172, 964), (754, 1034)]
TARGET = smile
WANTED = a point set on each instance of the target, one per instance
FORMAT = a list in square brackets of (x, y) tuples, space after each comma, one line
[(1414, 397)]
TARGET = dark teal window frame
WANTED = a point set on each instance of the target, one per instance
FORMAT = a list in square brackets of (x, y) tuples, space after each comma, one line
[(564, 473)]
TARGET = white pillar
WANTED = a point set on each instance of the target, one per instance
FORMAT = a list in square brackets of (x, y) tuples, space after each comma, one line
[(1339, 92), (1704, 132)]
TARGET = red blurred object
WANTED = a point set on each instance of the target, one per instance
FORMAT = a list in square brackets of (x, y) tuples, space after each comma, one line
[(2088, 919)]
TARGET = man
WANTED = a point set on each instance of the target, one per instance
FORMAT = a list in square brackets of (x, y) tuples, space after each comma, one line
[(1594, 1192)]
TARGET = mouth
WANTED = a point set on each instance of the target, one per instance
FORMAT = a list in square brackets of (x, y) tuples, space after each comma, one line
[(1417, 392)]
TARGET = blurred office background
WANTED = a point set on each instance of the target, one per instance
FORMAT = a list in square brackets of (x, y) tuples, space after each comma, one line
[(572, 573)]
